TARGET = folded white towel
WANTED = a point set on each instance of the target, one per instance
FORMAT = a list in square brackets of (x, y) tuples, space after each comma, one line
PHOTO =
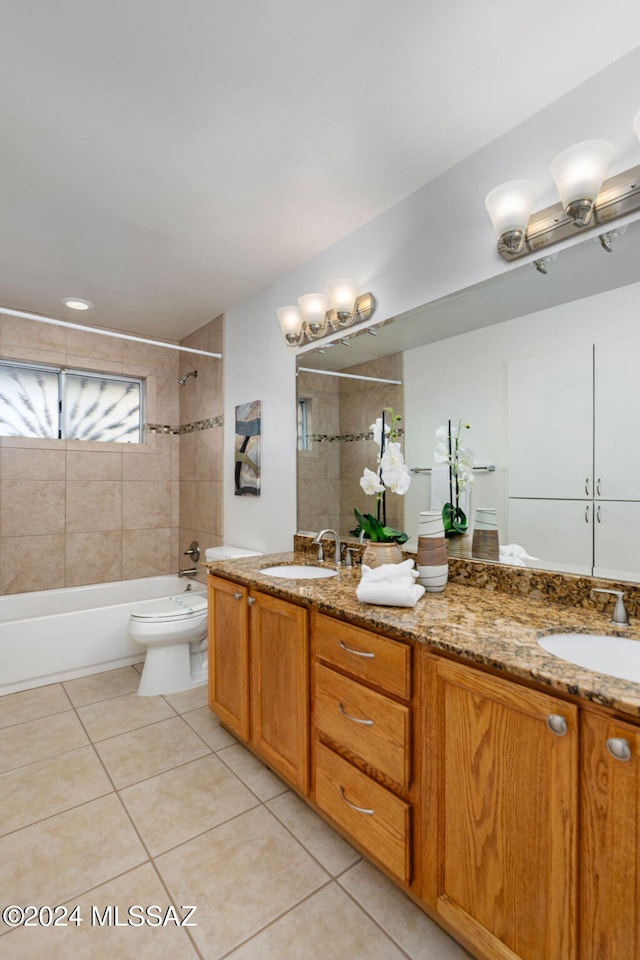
[(514, 550), (390, 572), (512, 561), (401, 594)]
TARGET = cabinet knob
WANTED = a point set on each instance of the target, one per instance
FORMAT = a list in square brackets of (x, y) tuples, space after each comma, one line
[(619, 748), (237, 595), (369, 812), (557, 724), (251, 601)]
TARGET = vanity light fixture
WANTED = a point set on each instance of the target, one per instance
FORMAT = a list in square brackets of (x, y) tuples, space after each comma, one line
[(318, 315), (586, 200)]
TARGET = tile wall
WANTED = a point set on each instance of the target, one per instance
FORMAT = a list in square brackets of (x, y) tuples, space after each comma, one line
[(76, 512), (342, 411)]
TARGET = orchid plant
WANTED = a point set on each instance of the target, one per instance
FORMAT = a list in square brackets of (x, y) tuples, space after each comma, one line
[(451, 451), (392, 474)]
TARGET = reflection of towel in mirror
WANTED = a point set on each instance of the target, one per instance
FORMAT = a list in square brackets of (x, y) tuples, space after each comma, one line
[(390, 585), (515, 555), (440, 491)]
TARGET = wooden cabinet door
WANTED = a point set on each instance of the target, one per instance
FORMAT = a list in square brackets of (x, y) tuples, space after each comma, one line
[(610, 840), (508, 816), (280, 686), (229, 654)]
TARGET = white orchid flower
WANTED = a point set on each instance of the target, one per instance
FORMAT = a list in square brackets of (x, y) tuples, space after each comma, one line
[(370, 482), (376, 429), (395, 474)]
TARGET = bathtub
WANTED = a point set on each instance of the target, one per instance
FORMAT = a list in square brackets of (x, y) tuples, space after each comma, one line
[(52, 635)]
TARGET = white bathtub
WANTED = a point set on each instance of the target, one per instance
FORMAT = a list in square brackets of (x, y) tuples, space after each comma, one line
[(52, 635)]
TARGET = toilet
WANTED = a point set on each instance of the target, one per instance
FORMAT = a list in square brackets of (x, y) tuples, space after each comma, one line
[(174, 631)]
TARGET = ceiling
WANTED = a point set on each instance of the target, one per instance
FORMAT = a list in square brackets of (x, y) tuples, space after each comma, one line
[(167, 160)]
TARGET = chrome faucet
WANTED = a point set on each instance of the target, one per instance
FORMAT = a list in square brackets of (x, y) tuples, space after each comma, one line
[(620, 614), (190, 572), (337, 560)]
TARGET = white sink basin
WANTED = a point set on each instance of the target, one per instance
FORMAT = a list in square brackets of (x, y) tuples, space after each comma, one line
[(299, 572), (615, 656)]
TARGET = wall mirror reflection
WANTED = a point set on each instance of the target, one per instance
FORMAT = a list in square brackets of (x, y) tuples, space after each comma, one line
[(546, 370)]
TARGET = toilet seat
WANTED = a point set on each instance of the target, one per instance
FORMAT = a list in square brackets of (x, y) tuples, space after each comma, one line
[(170, 609)]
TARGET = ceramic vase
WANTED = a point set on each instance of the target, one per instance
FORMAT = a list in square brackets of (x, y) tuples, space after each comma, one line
[(375, 554), (433, 562), (485, 544)]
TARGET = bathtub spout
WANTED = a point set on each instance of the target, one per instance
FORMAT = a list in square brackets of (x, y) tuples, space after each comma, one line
[(190, 572)]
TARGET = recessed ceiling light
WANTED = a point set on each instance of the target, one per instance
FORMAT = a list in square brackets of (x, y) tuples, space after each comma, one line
[(76, 304)]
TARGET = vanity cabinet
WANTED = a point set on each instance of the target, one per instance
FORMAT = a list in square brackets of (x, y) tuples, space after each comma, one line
[(362, 739), (259, 674), (610, 839), (501, 868)]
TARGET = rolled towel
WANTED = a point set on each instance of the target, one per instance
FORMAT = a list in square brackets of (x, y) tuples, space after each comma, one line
[(515, 550), (400, 594)]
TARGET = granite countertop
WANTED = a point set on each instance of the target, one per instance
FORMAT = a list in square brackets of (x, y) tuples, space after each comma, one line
[(481, 626)]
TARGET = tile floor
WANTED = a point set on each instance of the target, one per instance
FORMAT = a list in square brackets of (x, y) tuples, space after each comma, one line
[(113, 800)]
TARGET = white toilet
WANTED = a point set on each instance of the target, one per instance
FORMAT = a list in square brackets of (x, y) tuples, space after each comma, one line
[(174, 631)]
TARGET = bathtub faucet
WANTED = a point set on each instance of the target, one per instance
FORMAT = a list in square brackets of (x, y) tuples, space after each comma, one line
[(190, 572)]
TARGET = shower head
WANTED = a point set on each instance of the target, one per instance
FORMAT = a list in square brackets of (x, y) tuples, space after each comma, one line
[(183, 380)]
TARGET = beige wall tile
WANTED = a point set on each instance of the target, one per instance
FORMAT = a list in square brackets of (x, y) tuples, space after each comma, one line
[(93, 557), (148, 462), (31, 463), (32, 563), (146, 503), (167, 400), (209, 506), (29, 335), (148, 359), (31, 507), (189, 443), (188, 504), (99, 465), (32, 443), (94, 505), (146, 553), (94, 345)]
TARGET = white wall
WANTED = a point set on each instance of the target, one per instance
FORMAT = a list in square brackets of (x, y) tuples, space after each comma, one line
[(466, 376), (433, 243)]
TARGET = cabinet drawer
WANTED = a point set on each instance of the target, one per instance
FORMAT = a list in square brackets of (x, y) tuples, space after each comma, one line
[(381, 825), (366, 723), (368, 656)]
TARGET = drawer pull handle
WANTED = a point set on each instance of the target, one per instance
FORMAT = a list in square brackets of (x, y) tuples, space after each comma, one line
[(619, 748), (365, 723), (369, 812), (357, 653)]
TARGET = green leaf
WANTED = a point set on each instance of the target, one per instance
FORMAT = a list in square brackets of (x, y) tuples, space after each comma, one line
[(454, 520), (376, 532)]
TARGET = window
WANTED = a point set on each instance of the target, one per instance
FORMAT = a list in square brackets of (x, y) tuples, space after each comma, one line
[(304, 416), (69, 404)]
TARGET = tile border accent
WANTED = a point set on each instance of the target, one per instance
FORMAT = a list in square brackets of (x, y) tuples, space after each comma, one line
[(194, 427), (345, 437)]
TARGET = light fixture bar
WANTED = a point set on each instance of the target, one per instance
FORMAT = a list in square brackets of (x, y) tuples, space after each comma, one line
[(619, 196), (347, 376), (53, 321)]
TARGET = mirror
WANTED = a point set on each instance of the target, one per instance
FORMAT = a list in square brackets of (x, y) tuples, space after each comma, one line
[(464, 356)]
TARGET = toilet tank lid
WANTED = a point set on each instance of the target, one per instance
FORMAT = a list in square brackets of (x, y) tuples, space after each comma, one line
[(170, 608), (229, 552)]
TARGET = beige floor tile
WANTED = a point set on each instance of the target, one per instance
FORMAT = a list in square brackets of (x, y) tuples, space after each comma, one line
[(41, 738), (108, 718), (60, 858), (50, 786), (143, 753), (102, 686), (206, 724), (265, 784), (189, 699), (318, 837), (89, 941), (405, 923), (241, 875), (178, 805), (31, 704), (327, 926)]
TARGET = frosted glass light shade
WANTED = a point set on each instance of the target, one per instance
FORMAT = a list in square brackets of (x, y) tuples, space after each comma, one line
[(314, 307), (343, 295), (290, 322), (580, 170), (510, 205)]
